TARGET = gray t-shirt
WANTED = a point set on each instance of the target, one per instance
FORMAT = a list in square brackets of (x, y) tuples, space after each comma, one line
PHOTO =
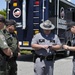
[(45, 40)]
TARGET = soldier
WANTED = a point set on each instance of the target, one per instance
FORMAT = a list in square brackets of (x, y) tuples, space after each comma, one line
[(71, 27), (12, 42), (5, 51), (44, 45)]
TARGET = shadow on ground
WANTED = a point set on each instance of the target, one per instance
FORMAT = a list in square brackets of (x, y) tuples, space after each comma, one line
[(26, 58)]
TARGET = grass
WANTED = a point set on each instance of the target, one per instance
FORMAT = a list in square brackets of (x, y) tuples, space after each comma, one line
[(25, 52)]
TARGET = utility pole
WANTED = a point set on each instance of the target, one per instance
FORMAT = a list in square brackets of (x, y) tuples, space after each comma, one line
[(7, 8)]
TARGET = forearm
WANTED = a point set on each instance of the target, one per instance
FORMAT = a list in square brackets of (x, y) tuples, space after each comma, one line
[(7, 52), (56, 47), (71, 48), (36, 46)]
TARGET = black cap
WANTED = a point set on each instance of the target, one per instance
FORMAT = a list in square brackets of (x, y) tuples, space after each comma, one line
[(2, 19), (70, 24), (11, 22)]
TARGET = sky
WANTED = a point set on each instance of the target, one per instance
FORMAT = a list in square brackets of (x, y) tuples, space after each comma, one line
[(3, 4)]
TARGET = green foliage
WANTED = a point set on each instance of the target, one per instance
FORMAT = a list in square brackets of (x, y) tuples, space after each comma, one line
[(25, 52), (3, 12)]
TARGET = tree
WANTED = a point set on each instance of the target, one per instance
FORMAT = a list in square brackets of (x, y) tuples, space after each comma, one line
[(3, 12)]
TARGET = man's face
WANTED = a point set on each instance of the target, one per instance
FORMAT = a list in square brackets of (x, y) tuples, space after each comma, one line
[(1, 25), (47, 32), (11, 28), (73, 29)]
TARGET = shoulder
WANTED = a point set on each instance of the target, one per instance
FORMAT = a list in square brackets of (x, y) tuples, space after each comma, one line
[(2, 38), (38, 34), (56, 35), (5, 32), (1, 35)]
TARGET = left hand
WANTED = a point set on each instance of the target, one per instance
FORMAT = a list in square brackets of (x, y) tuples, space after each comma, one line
[(19, 54), (65, 46)]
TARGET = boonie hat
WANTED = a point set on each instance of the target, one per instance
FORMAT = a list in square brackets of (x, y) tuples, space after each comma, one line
[(2, 19), (11, 22), (70, 24), (47, 25)]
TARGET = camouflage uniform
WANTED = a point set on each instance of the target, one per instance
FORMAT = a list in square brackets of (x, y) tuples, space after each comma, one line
[(3, 63), (12, 42), (3, 46)]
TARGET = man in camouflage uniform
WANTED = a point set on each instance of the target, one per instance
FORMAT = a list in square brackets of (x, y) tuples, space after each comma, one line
[(5, 51), (12, 42)]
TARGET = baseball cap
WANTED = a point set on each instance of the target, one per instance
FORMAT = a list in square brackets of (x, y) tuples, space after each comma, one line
[(11, 22)]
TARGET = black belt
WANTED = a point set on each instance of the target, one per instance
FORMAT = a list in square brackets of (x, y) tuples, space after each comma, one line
[(48, 58)]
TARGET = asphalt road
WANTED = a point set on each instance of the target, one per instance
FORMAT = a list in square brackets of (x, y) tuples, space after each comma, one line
[(62, 66)]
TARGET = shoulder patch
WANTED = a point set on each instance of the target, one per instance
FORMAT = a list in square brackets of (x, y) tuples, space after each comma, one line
[(5, 43), (2, 37)]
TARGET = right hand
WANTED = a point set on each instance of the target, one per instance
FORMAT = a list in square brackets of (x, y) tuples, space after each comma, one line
[(45, 46)]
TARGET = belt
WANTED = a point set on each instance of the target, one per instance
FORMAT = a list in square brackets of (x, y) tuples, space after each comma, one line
[(47, 58)]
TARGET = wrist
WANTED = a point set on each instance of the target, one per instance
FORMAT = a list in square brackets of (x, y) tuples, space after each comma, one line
[(68, 48)]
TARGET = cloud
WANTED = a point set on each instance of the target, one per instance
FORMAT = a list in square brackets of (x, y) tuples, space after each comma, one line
[(69, 0)]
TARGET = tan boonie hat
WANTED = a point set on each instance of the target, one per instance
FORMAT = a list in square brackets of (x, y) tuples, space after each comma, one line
[(47, 25)]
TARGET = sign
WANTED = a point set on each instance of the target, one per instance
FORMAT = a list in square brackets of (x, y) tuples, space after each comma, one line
[(62, 13), (17, 12)]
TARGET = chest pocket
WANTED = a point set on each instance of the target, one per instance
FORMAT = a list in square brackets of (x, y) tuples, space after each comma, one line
[(9, 41), (52, 41), (41, 41)]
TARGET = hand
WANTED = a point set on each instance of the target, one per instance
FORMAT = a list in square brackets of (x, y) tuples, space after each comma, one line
[(50, 47), (19, 54), (45, 46), (65, 47)]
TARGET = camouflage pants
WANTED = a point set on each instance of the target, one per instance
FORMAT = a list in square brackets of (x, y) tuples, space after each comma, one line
[(4, 72), (13, 68), (4, 67)]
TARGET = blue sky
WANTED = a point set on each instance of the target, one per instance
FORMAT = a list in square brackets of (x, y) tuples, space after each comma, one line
[(3, 4)]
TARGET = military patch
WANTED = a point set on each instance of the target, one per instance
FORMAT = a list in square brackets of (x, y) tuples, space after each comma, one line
[(41, 40), (4, 43), (53, 41), (2, 37)]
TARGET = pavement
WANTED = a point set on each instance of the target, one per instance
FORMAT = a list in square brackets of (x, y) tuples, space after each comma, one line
[(62, 67)]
